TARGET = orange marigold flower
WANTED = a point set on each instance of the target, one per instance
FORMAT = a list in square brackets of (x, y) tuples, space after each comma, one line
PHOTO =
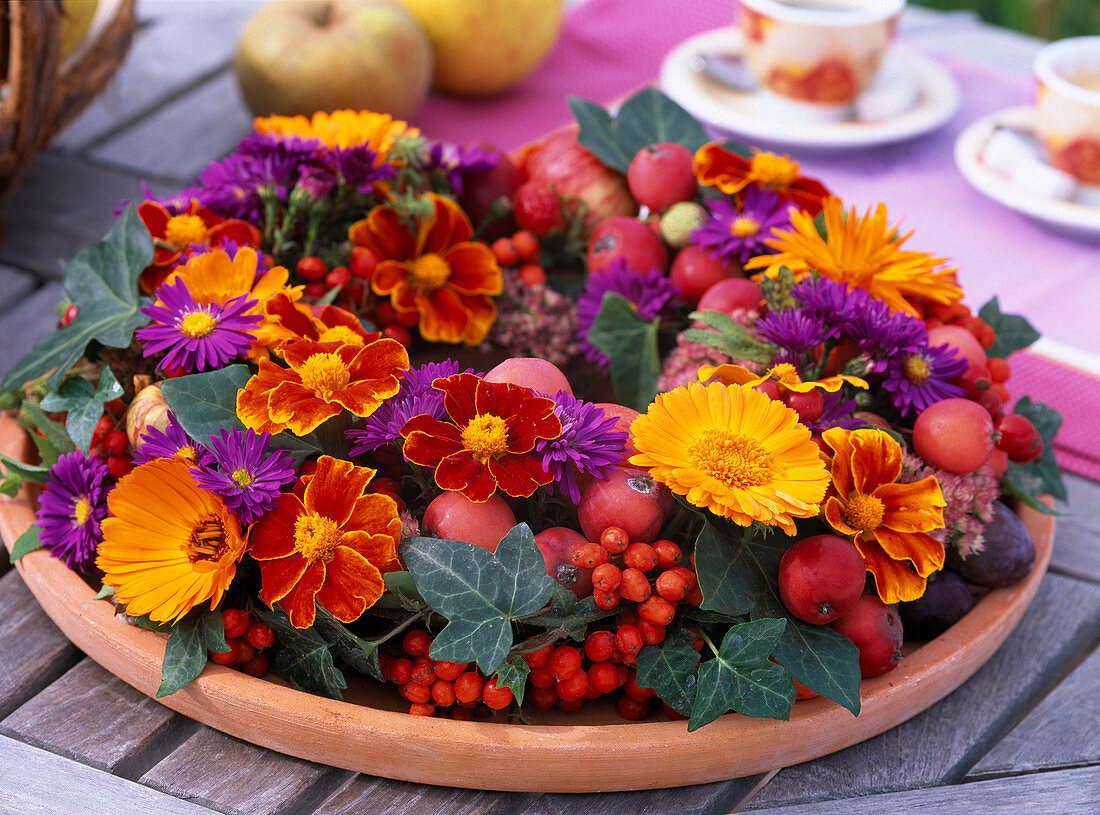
[(887, 521), (327, 544), (491, 442), (862, 252), (435, 271), (321, 380), (783, 374), (289, 320), (715, 166)]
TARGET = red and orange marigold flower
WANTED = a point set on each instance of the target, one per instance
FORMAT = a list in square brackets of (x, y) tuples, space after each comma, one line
[(887, 521), (715, 166), (490, 441), (327, 544), (321, 380), (434, 270), (288, 320)]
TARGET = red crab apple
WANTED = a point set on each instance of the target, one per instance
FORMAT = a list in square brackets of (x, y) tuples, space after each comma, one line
[(954, 434), (557, 544), (965, 344), (627, 238), (731, 295), (453, 516), (695, 269), (660, 175), (540, 375), (875, 629), (821, 578), (628, 498)]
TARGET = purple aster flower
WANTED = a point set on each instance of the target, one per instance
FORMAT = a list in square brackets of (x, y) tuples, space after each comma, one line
[(649, 293), (233, 187), (738, 234), (455, 162), (71, 507), (246, 474), (172, 442), (588, 444), (919, 378), (792, 330), (882, 333), (416, 396), (824, 298), (197, 337), (355, 167)]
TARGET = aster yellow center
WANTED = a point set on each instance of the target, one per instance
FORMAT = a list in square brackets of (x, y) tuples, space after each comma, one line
[(429, 272), (864, 512), (206, 541), (735, 459), (770, 170), (916, 369), (242, 477), (197, 324), (744, 228), (324, 374), (187, 453), (486, 436), (82, 511), (315, 537), (340, 333), (184, 230)]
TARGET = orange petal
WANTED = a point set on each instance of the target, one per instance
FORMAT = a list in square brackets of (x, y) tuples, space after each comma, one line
[(876, 460), (474, 269), (352, 585), (279, 577), (518, 476), (834, 514), (923, 551), (299, 602), (714, 166), (895, 580), (273, 535), (461, 472), (429, 447), (915, 507)]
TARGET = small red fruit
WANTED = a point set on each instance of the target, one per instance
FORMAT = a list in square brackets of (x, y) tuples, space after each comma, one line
[(875, 629), (695, 269), (69, 314), (538, 208), (1018, 437), (821, 578), (660, 175), (311, 269), (235, 622), (628, 240), (362, 262), (260, 636), (954, 434)]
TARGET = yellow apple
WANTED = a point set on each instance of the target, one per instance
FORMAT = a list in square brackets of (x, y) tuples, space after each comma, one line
[(302, 56), (484, 47)]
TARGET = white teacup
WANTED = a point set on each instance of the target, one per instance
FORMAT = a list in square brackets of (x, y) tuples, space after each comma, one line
[(813, 58), (1067, 108)]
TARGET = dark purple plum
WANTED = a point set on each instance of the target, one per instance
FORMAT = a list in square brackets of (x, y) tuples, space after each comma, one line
[(1007, 558), (943, 604)]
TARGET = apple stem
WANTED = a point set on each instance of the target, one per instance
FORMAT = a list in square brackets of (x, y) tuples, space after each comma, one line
[(323, 15)]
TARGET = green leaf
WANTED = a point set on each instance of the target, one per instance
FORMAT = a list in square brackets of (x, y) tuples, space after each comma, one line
[(35, 473), (83, 403), (777, 290), (105, 593), (648, 117), (1014, 333), (630, 344), (513, 674), (27, 542), (741, 678), (54, 441), (1027, 482), (671, 671), (102, 280), (732, 338), (302, 657), (723, 579), (400, 592), (360, 654), (185, 653), (479, 592)]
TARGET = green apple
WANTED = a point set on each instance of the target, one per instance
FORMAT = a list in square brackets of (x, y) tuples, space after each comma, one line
[(303, 56)]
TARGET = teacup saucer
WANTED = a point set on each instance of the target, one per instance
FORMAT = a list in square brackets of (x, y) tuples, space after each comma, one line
[(749, 114), (1078, 215)]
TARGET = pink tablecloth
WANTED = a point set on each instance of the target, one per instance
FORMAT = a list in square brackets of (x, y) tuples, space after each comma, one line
[(609, 47)]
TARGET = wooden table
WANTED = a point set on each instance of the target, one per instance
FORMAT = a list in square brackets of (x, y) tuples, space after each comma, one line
[(1021, 735)]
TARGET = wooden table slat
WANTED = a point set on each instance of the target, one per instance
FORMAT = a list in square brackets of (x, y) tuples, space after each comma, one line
[(367, 795), (701, 799), (1077, 545)]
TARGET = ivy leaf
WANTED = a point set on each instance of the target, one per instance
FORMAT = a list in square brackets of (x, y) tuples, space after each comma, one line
[(479, 592), (630, 345), (360, 654), (1027, 482), (513, 674), (732, 338), (102, 280), (302, 657), (670, 671), (723, 579), (1014, 333), (185, 653), (400, 592), (205, 404), (648, 117), (35, 473), (741, 678), (83, 403), (54, 441), (27, 542)]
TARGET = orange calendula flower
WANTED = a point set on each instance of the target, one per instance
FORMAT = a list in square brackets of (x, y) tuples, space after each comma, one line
[(491, 442), (321, 380), (887, 521), (168, 545), (435, 271), (341, 128), (862, 252), (734, 451), (783, 374), (327, 544), (715, 166)]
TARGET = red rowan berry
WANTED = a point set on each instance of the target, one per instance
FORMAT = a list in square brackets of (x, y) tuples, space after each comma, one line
[(362, 262), (338, 276), (119, 466), (399, 333), (421, 709), (542, 698), (668, 553), (615, 540), (526, 244), (468, 687), (115, 442), (629, 641), (505, 251), (571, 706), (541, 677), (260, 636), (671, 585), (257, 666), (641, 556), (539, 658), (423, 672), (226, 657), (311, 269), (652, 633), (246, 653), (599, 646), (635, 585), (496, 698), (607, 576), (449, 670), (589, 556), (635, 691), (416, 642), (573, 686), (606, 600), (564, 662), (657, 610), (632, 709), (531, 274), (401, 671), (443, 692), (234, 622), (603, 676)]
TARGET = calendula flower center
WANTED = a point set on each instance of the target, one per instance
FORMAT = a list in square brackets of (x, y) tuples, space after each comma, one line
[(197, 324), (184, 230), (771, 170), (315, 537), (916, 369), (207, 540), (744, 227), (429, 272), (325, 373), (735, 459), (82, 511), (864, 512), (785, 374), (242, 477), (486, 436), (340, 333)]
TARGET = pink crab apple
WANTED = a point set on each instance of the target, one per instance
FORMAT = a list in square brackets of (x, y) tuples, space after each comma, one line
[(453, 516), (540, 375), (660, 175), (629, 498), (695, 269), (626, 238)]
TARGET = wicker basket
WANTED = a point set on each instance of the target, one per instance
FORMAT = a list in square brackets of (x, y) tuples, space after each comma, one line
[(43, 90)]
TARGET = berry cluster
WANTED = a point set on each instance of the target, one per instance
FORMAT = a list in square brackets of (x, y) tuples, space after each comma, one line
[(247, 638), (109, 442), (521, 251), (430, 685)]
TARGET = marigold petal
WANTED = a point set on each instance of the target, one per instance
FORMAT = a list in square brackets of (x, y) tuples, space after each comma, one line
[(299, 410), (461, 472), (448, 226), (460, 398), (429, 446), (335, 485), (913, 507), (518, 476), (278, 577), (482, 315), (300, 602), (378, 513), (385, 234), (390, 277), (352, 585), (474, 269), (272, 536), (923, 551), (443, 315), (895, 581), (875, 460)]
